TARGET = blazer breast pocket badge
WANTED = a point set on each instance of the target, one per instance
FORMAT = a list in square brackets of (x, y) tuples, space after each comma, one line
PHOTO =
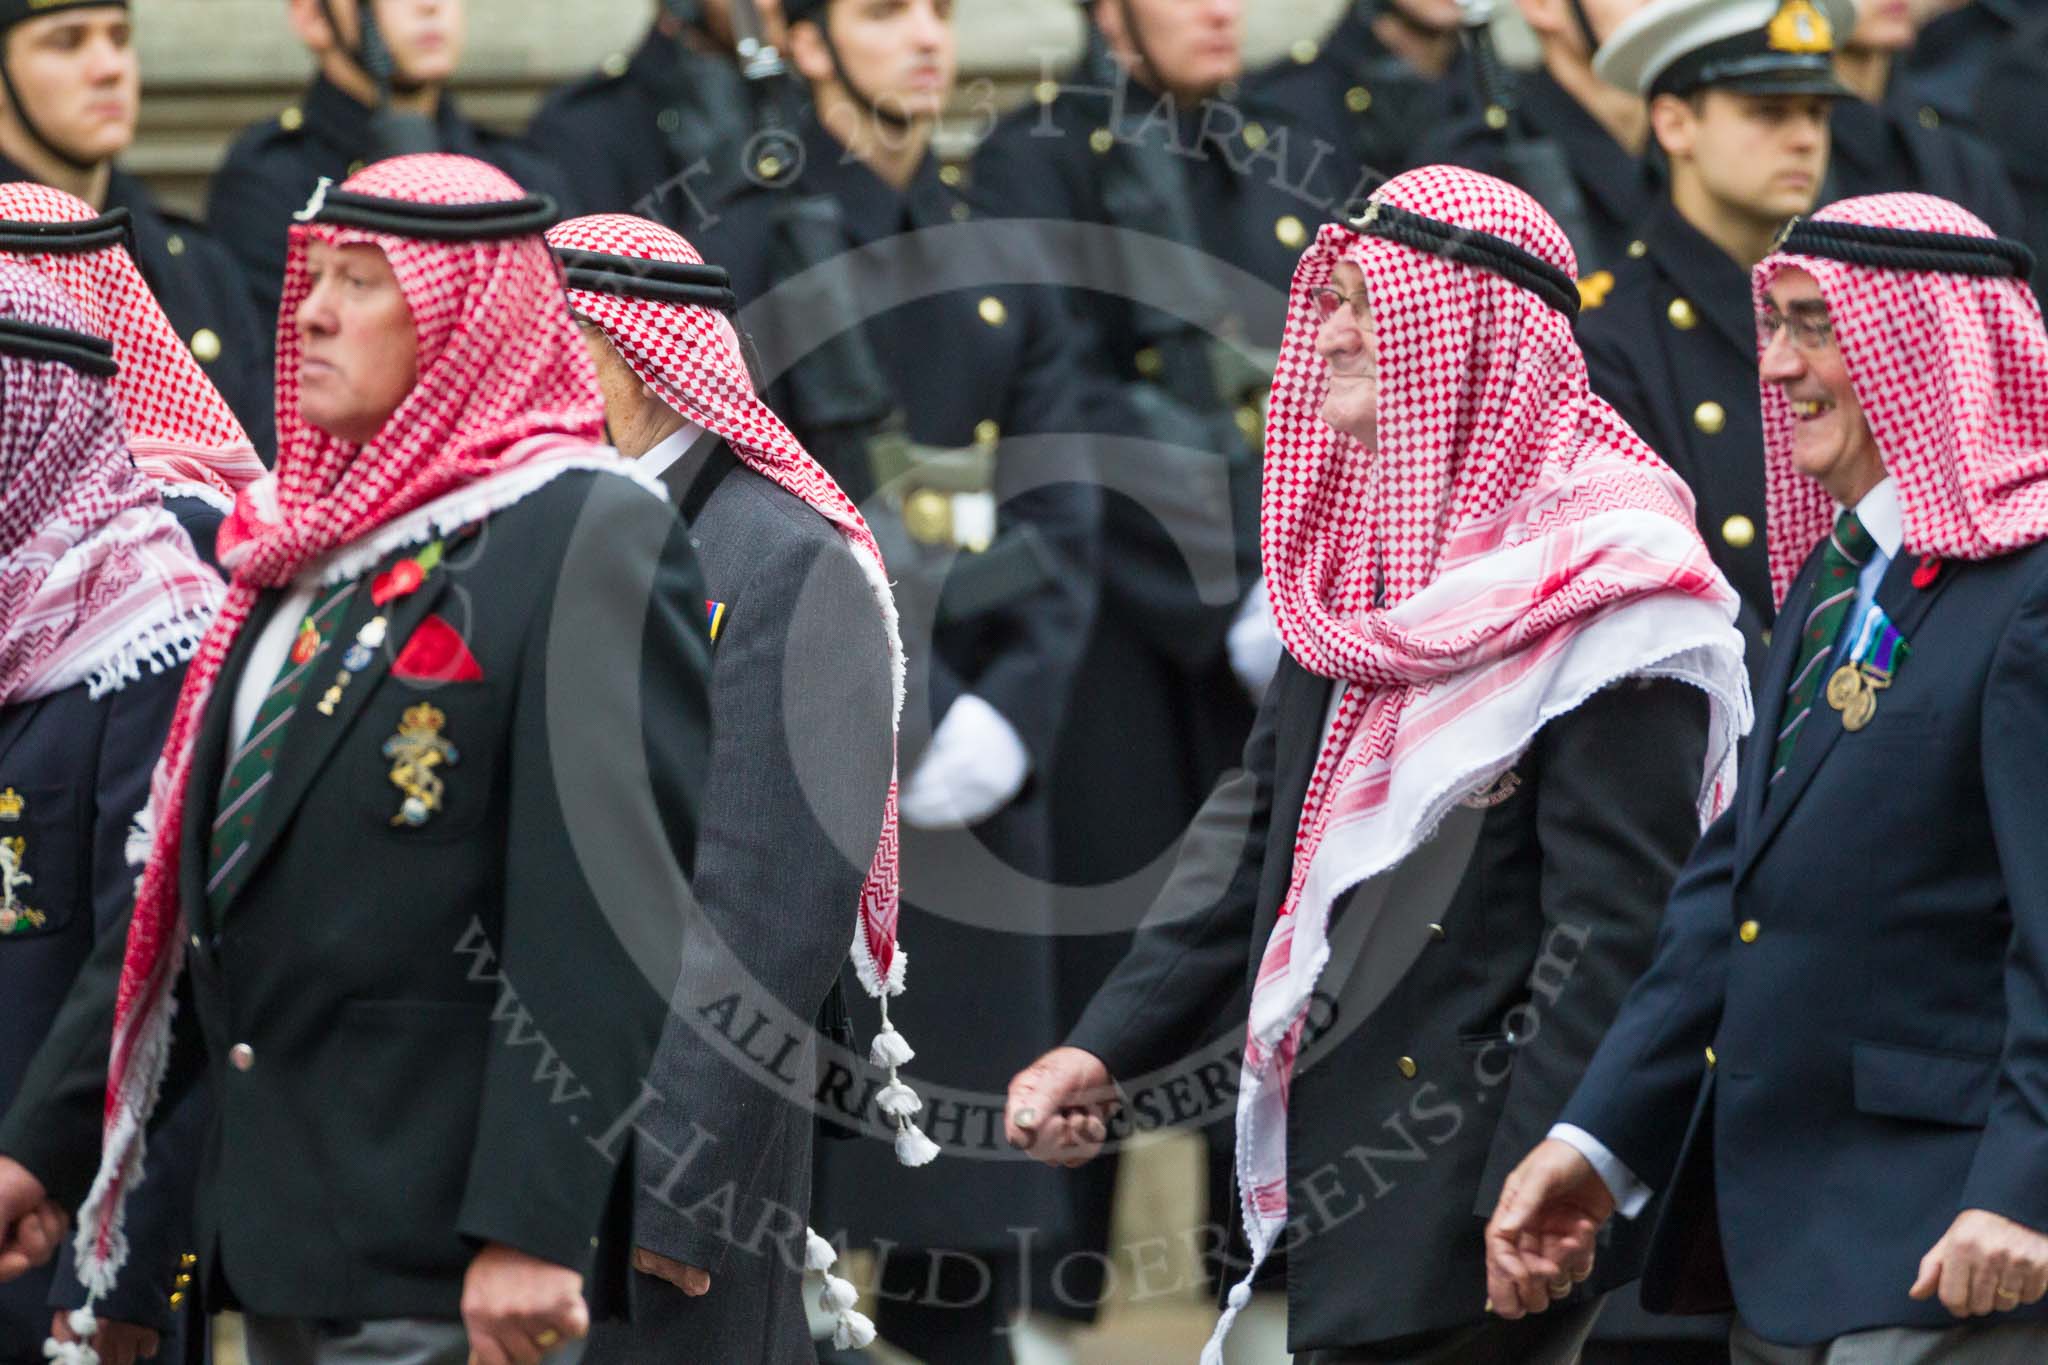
[(15, 915), (417, 752)]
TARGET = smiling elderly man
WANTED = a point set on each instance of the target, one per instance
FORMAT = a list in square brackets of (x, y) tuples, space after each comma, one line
[(1834, 1072)]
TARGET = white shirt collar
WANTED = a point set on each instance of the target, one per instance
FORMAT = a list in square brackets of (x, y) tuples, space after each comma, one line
[(671, 448), (1881, 516)]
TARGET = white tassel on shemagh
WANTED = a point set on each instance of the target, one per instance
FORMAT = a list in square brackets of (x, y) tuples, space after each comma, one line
[(897, 1100), (851, 1330), (85, 1327)]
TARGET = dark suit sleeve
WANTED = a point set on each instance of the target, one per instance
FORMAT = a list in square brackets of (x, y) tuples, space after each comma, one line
[(249, 210), (1637, 1096), (604, 772), (2010, 1174), (1191, 955), (53, 1127), (800, 764), (1617, 811)]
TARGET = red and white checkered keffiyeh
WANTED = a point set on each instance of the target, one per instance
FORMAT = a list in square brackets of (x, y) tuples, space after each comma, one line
[(1952, 373), (97, 580), (179, 427), (690, 355), (1528, 550), (506, 399)]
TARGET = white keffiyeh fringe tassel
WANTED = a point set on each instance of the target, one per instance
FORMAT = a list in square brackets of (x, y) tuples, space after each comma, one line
[(852, 1330), (891, 1052), (85, 1327)]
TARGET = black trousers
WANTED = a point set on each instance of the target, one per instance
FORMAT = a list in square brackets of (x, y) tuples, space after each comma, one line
[(1552, 1338)]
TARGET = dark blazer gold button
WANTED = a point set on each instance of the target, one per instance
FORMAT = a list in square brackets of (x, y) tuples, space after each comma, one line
[(1406, 1066), (1749, 930), (206, 345), (1682, 315), (1739, 531), (1291, 232), (1436, 931), (1358, 99), (1710, 1057), (1710, 417), (992, 311)]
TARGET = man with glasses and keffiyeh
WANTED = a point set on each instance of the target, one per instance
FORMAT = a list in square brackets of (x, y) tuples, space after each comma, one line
[(1833, 1081)]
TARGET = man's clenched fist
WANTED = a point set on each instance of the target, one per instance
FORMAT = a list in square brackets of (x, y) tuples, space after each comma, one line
[(518, 1307), (1060, 1106), (31, 1226)]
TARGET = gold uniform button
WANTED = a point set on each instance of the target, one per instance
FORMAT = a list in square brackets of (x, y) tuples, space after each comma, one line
[(1248, 423), (987, 432), (1255, 135), (992, 311), (175, 244), (1496, 117), (188, 1260), (184, 1278), (1749, 930), (1767, 637), (768, 167), (291, 119), (1683, 315), (1101, 140), (1739, 532), (195, 943), (1304, 51), (928, 516), (1358, 99), (1638, 249), (949, 175), (242, 1057), (1930, 117), (1710, 417), (206, 346), (1711, 1059), (354, 167), (178, 1299), (1436, 932), (961, 213), (1406, 1066), (1293, 234), (1150, 363), (613, 65), (1045, 92)]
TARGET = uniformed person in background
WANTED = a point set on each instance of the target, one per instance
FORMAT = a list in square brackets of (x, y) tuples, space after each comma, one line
[(1741, 93), (1881, 144), (73, 87), (948, 415), (381, 89), (1565, 136), (661, 132), (1375, 85)]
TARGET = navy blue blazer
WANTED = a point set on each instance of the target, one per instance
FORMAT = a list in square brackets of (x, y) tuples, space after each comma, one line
[(1843, 1040), (80, 769)]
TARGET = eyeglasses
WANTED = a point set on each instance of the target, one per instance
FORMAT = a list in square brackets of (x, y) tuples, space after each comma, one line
[(1329, 299), (1808, 333)]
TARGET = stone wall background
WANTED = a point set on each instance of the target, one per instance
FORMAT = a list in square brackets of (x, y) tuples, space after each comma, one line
[(211, 66)]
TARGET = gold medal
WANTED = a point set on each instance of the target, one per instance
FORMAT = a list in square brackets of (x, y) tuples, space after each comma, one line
[(1845, 685), (1861, 711)]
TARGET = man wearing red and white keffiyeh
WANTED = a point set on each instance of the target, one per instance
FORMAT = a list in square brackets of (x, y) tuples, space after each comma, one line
[(1512, 696), (180, 430), (485, 818), (1833, 1069), (800, 815)]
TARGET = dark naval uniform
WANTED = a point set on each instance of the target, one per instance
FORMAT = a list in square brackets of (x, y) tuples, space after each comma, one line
[(1615, 188), (975, 372), (73, 772), (1881, 148), (1673, 348), (273, 166), (669, 122), (368, 994)]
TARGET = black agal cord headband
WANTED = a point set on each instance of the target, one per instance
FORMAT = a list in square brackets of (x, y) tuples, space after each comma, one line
[(707, 286), (428, 222), (113, 228), (1469, 247), (1886, 248), (80, 350)]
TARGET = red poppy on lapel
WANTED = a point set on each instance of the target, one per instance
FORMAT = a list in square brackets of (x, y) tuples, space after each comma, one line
[(436, 653), (1926, 571)]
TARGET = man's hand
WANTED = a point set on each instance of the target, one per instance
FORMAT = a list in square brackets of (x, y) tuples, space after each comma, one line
[(687, 1278), (1984, 1264), (1540, 1241), (518, 1307), (116, 1343), (31, 1226), (1059, 1107)]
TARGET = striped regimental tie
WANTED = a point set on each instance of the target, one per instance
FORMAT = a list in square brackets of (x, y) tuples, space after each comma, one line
[(1848, 549), (249, 766)]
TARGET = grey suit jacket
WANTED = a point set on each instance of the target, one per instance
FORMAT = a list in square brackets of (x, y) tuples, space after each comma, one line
[(800, 764)]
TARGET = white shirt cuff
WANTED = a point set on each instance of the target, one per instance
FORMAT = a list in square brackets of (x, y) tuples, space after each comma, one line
[(1630, 1194)]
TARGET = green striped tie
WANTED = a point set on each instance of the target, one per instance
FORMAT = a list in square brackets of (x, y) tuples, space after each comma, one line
[(1848, 549), (249, 767)]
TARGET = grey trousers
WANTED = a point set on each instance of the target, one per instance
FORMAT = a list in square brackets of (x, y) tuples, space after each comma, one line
[(388, 1341), (1993, 1343), (1552, 1338)]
